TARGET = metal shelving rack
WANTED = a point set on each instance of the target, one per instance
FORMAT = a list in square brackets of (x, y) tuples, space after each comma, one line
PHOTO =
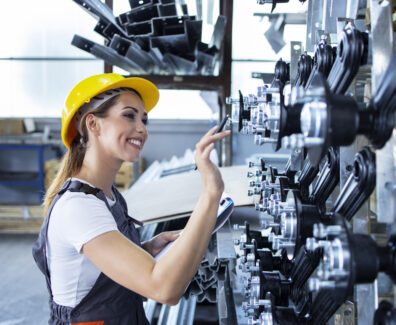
[(221, 84), (38, 177)]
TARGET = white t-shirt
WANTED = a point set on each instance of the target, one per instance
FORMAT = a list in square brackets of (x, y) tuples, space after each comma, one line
[(75, 219)]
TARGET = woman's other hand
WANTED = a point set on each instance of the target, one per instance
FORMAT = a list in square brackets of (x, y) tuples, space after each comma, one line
[(211, 177), (157, 243)]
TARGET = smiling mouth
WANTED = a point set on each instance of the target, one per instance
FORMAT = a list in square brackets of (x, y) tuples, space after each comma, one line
[(135, 143)]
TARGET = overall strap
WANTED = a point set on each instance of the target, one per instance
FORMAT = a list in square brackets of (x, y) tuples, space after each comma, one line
[(39, 247), (121, 199)]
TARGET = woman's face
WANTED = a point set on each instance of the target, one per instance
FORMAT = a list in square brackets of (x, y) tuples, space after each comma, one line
[(123, 131)]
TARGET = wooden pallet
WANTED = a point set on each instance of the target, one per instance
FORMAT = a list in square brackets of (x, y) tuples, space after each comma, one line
[(21, 219), (123, 180)]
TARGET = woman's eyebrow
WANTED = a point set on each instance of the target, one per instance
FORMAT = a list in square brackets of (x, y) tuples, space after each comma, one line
[(136, 110)]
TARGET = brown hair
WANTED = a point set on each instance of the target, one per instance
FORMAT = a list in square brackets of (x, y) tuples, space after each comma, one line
[(74, 157)]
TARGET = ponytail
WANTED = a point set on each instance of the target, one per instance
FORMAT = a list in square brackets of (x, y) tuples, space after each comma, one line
[(70, 165)]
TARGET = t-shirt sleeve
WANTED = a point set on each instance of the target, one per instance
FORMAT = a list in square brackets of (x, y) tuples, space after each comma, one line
[(82, 218)]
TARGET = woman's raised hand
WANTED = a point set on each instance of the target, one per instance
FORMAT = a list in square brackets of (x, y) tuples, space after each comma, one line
[(211, 177)]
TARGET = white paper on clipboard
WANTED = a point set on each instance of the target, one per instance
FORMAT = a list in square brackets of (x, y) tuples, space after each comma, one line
[(226, 207)]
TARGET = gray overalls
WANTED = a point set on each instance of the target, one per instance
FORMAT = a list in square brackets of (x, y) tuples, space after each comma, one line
[(108, 303)]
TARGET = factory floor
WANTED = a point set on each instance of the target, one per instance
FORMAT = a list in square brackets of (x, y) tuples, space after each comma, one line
[(23, 293)]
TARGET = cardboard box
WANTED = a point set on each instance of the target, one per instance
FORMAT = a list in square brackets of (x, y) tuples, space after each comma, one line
[(11, 126)]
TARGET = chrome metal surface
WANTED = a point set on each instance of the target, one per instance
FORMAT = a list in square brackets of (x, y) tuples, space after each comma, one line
[(383, 43), (296, 50)]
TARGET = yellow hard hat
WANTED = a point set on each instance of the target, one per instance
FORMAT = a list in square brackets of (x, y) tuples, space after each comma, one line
[(88, 88)]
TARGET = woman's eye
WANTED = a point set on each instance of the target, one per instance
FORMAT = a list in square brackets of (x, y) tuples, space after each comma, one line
[(145, 122), (130, 116)]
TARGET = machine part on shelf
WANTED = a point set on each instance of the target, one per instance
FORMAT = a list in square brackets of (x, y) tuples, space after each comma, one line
[(133, 51), (348, 259), (282, 73), (328, 178), (274, 33), (108, 54), (321, 118), (101, 11), (305, 64), (182, 313), (352, 52), (322, 62), (306, 177), (152, 39), (359, 185)]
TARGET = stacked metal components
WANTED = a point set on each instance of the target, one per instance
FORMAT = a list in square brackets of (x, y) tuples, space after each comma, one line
[(304, 261), (210, 272), (154, 37)]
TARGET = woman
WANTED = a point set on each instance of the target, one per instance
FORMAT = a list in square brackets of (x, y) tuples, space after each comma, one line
[(88, 248)]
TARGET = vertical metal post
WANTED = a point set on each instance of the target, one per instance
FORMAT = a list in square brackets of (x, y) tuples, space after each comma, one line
[(383, 46), (295, 52), (108, 68), (226, 9), (382, 35)]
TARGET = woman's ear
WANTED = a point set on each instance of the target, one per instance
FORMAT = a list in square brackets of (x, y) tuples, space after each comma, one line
[(92, 124)]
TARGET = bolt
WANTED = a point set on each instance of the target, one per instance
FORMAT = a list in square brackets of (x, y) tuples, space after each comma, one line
[(230, 100), (313, 142), (271, 185), (247, 281), (267, 224), (253, 183), (238, 227), (315, 284), (259, 207), (321, 231), (293, 141), (251, 259), (279, 244), (260, 140), (311, 244)]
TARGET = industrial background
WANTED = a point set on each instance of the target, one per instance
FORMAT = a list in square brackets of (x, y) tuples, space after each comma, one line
[(310, 89)]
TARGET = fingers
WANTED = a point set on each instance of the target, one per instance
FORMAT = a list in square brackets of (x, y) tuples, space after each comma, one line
[(211, 131), (211, 138), (206, 152), (171, 235)]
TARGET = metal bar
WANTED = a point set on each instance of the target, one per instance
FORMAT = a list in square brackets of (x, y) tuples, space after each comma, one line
[(296, 50), (290, 18), (149, 309), (186, 82), (226, 9), (28, 58), (382, 35), (108, 68), (225, 300), (254, 60), (163, 316)]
